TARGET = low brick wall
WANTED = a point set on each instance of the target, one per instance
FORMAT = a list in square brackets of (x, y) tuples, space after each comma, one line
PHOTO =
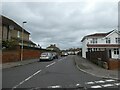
[(31, 54), (15, 55), (10, 56), (113, 64)]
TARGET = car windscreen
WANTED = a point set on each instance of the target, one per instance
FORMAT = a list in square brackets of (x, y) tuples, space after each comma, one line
[(44, 54)]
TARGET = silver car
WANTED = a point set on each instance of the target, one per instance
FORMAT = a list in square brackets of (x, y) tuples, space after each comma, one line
[(46, 56)]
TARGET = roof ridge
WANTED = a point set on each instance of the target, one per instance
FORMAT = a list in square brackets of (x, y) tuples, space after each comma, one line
[(97, 34)]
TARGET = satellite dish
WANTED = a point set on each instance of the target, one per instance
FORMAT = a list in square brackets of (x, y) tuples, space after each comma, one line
[(11, 27)]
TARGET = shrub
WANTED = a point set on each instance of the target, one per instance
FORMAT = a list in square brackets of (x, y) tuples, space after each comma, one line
[(9, 44)]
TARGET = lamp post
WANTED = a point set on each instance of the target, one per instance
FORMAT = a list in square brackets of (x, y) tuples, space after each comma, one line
[(22, 40)]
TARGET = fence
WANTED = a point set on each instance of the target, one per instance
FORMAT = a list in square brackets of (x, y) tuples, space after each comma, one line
[(97, 55), (101, 58)]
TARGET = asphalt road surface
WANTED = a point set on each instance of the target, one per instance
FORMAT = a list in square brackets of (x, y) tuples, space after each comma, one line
[(59, 73)]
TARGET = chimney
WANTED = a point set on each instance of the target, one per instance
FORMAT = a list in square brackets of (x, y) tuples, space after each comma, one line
[(54, 45)]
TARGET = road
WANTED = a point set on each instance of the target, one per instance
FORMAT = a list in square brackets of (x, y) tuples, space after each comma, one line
[(59, 73)]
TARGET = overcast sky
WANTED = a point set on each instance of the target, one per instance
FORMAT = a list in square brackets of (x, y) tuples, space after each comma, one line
[(63, 23)]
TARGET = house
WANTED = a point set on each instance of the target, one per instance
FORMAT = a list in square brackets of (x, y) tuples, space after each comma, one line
[(53, 47), (102, 41), (12, 31), (74, 51)]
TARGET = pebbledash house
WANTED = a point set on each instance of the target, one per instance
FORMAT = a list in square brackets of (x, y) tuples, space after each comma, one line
[(102, 41)]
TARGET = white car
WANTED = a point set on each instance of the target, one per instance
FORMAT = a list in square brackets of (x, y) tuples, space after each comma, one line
[(46, 56), (64, 54)]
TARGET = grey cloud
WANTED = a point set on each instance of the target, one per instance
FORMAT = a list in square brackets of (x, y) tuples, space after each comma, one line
[(63, 23)]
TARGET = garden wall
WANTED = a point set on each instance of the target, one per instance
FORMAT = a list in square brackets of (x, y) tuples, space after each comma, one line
[(101, 59), (15, 55)]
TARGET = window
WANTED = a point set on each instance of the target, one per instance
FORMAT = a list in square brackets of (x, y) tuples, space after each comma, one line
[(91, 41), (18, 34), (89, 49), (117, 40), (108, 40), (94, 49), (99, 49), (94, 40), (116, 51)]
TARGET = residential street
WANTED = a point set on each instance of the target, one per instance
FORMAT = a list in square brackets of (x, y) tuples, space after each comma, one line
[(59, 73), (66, 44)]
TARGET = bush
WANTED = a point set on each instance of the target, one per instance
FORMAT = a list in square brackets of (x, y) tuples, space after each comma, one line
[(9, 44)]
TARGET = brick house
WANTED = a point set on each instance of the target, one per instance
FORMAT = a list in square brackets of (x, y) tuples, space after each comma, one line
[(12, 31), (102, 41), (53, 48)]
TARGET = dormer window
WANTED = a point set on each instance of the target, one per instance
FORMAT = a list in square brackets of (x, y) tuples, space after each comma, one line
[(108, 40)]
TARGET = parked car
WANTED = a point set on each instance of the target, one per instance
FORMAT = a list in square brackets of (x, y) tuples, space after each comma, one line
[(55, 55), (64, 54), (46, 56), (71, 53)]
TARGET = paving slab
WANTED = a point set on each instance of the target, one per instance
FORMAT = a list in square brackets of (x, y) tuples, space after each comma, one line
[(93, 69)]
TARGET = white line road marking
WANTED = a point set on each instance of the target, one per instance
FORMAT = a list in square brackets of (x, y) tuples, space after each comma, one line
[(57, 86), (108, 85), (101, 81), (97, 86), (27, 79), (50, 64), (77, 85), (110, 80), (90, 83), (117, 84)]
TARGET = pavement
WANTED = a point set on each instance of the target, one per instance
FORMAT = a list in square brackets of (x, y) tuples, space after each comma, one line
[(16, 64), (95, 70)]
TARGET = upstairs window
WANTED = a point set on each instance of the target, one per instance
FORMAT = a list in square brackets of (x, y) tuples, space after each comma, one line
[(117, 40), (108, 40), (18, 34), (94, 40)]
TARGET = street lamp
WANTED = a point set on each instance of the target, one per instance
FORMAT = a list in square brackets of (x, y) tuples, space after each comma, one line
[(22, 40)]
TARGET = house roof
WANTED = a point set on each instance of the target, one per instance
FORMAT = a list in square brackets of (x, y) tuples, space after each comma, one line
[(97, 35), (8, 22), (54, 47)]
